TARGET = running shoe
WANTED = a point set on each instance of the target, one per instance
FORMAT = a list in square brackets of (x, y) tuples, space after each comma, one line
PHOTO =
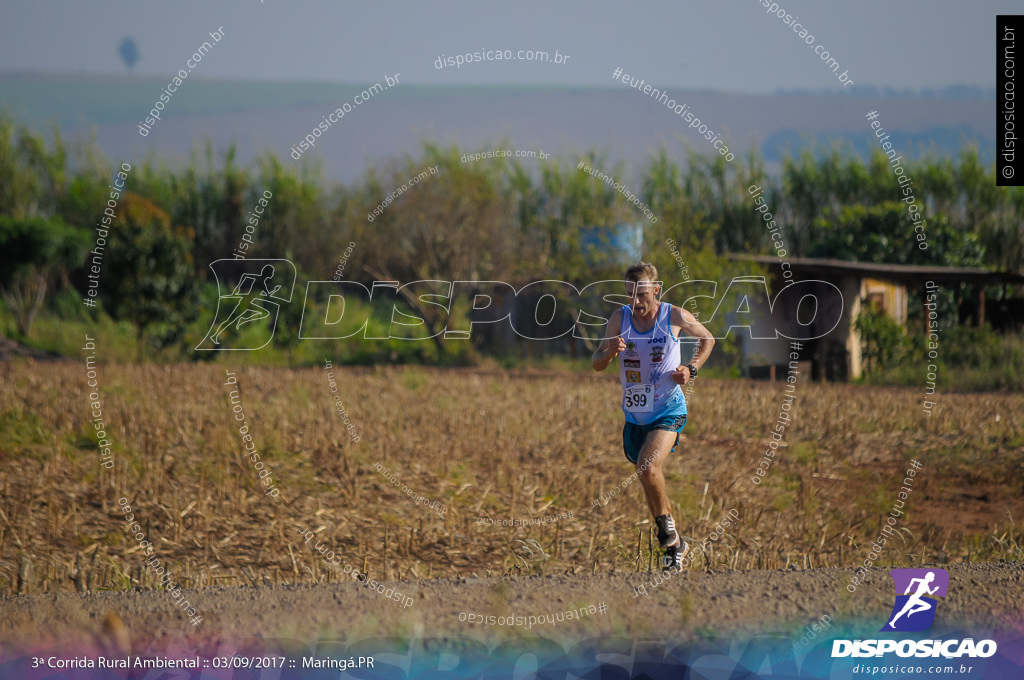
[(672, 560), (667, 536)]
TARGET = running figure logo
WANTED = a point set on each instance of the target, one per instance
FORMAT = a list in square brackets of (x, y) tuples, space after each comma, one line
[(915, 609), (258, 283)]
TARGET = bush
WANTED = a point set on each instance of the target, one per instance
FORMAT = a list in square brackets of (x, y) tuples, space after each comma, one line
[(884, 341)]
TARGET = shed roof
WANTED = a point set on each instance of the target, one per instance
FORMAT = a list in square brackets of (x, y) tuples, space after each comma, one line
[(805, 267)]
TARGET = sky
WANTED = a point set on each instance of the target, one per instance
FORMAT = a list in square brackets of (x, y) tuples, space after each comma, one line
[(721, 45)]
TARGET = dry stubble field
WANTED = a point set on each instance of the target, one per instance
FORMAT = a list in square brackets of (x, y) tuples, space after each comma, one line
[(498, 445)]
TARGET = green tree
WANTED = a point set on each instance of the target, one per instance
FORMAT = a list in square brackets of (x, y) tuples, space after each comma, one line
[(884, 341), (878, 233), (886, 233), (33, 253), (147, 271), (32, 178), (454, 224)]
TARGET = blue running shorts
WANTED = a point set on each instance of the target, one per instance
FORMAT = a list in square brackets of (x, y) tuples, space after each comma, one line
[(633, 435)]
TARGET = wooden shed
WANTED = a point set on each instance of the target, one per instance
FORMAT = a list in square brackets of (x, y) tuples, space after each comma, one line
[(889, 287)]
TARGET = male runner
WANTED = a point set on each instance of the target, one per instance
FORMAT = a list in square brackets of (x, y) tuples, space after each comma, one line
[(646, 333)]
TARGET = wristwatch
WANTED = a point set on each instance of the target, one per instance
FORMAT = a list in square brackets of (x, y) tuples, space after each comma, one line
[(693, 370)]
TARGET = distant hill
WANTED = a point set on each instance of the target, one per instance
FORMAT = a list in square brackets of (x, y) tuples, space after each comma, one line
[(619, 122)]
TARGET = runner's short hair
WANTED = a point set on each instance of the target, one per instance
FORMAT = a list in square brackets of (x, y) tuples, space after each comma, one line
[(642, 271)]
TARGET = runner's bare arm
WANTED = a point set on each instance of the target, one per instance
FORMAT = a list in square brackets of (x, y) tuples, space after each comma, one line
[(611, 345), (688, 324)]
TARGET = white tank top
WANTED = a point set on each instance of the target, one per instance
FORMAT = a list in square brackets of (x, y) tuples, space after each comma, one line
[(648, 392)]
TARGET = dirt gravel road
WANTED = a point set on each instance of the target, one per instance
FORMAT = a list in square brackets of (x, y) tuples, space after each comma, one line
[(687, 606)]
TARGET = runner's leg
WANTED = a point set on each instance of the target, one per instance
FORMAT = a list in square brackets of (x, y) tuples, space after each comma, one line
[(653, 453)]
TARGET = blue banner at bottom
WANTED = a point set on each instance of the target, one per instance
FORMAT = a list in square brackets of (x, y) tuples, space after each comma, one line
[(837, 656)]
